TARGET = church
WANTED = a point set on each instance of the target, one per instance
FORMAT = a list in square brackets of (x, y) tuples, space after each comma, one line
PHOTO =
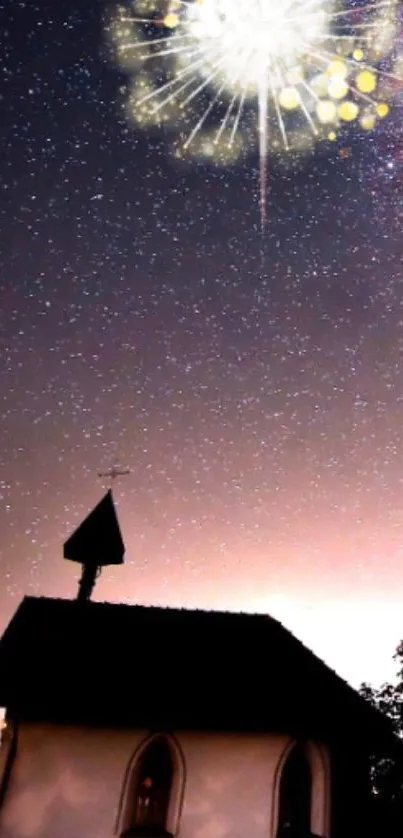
[(131, 722)]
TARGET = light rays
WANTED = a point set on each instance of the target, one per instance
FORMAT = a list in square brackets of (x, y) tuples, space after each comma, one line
[(228, 77)]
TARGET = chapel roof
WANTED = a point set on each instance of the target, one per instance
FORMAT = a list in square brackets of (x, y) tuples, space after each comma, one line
[(123, 665)]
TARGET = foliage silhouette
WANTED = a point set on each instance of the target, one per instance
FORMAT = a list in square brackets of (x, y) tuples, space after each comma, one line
[(387, 765)]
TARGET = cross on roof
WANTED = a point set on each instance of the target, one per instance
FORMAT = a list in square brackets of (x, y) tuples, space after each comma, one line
[(114, 472)]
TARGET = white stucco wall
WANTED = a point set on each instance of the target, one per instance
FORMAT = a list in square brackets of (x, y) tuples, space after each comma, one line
[(68, 782)]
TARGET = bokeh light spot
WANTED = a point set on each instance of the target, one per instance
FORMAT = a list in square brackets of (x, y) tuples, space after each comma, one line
[(382, 109), (368, 121), (289, 98), (171, 20), (326, 111), (348, 111), (337, 69), (337, 88), (366, 81)]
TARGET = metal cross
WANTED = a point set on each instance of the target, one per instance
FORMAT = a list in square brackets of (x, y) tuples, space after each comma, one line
[(114, 472)]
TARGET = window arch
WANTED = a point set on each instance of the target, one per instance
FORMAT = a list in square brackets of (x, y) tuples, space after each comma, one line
[(295, 796), (302, 792), (153, 789)]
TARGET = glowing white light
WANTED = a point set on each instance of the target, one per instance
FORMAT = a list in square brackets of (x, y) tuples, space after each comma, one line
[(254, 42), (290, 69)]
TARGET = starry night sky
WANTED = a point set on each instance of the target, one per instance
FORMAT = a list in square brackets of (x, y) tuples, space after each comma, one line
[(258, 404)]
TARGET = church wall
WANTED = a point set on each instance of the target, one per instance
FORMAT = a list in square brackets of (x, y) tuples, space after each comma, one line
[(69, 781), (65, 782), (228, 785)]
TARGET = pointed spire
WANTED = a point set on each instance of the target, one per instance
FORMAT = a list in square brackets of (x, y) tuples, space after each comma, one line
[(95, 543)]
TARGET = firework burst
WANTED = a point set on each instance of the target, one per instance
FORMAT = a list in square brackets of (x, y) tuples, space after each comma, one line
[(227, 76)]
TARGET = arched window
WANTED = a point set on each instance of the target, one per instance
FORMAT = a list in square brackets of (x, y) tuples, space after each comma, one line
[(295, 796), (151, 792)]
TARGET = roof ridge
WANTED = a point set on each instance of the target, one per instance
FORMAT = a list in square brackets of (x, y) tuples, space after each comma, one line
[(154, 607), (193, 610), (72, 628)]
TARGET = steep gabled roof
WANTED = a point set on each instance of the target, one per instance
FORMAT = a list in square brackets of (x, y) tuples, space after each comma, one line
[(99, 663), (97, 540)]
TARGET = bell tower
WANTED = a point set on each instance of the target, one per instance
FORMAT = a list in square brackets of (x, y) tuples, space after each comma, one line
[(97, 542)]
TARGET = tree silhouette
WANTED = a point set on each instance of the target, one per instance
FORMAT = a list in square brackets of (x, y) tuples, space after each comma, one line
[(387, 764)]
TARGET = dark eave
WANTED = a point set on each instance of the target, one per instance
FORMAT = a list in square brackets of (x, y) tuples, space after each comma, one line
[(106, 664)]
